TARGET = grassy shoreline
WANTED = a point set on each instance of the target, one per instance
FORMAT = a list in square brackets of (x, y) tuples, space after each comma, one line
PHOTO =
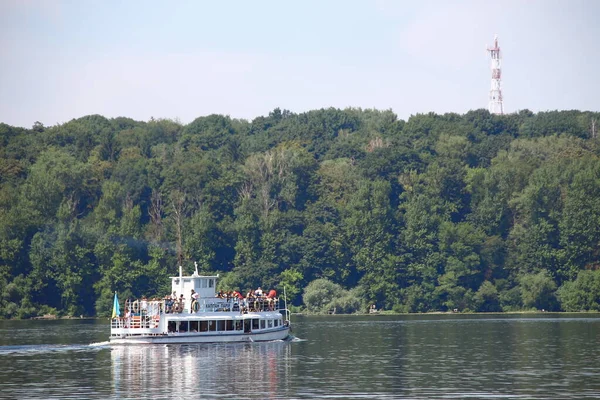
[(53, 317), (388, 313)]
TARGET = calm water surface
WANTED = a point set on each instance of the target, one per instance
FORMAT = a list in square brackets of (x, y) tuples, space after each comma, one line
[(343, 357)]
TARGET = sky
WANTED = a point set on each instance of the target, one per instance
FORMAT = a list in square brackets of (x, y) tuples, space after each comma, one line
[(61, 60)]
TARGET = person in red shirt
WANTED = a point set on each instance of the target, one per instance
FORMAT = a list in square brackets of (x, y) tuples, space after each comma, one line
[(238, 294)]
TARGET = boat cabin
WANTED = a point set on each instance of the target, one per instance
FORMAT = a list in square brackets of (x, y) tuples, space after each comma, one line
[(203, 285)]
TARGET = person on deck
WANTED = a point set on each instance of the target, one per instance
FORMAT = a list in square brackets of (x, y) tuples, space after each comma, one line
[(127, 317), (168, 304), (238, 295), (271, 299), (249, 300), (194, 298), (144, 306)]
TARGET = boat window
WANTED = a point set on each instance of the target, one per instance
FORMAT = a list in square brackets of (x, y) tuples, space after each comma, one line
[(239, 325), (193, 326), (269, 323), (254, 324), (212, 325), (276, 323), (229, 325), (211, 283), (203, 326), (183, 326), (262, 324), (203, 283), (220, 325)]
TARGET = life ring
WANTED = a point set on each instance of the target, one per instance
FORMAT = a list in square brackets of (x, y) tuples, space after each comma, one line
[(135, 306), (195, 306)]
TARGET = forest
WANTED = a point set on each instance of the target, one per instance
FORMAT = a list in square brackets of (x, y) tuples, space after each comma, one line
[(344, 208)]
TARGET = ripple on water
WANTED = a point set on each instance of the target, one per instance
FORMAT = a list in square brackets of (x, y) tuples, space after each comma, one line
[(415, 357), (34, 350)]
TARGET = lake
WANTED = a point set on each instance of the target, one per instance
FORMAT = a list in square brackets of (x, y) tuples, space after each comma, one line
[(450, 356)]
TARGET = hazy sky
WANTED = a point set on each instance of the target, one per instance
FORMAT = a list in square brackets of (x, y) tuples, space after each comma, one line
[(61, 60)]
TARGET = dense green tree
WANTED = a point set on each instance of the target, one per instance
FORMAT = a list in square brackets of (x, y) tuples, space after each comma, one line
[(579, 225), (476, 212), (538, 291), (322, 296), (486, 298), (582, 294)]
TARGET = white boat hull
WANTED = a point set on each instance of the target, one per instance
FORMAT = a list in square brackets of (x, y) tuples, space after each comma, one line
[(217, 337)]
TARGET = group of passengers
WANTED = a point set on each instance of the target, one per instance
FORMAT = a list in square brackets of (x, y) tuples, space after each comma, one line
[(252, 294), (174, 304), (255, 300), (258, 300)]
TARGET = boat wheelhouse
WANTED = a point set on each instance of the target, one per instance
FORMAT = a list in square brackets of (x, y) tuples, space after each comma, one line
[(207, 317)]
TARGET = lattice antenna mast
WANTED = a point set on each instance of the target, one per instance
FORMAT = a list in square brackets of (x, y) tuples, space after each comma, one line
[(495, 105)]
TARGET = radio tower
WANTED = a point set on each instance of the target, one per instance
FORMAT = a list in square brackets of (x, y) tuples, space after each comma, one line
[(495, 105)]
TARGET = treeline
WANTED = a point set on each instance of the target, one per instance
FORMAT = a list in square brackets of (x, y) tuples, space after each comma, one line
[(475, 212)]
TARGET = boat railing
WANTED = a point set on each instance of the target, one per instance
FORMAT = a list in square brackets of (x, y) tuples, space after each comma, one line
[(144, 307), (136, 321), (216, 304), (149, 308)]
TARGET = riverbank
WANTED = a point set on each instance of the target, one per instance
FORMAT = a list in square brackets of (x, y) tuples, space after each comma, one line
[(55, 317), (392, 313)]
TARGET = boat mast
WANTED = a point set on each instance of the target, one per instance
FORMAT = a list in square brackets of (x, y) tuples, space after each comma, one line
[(287, 312)]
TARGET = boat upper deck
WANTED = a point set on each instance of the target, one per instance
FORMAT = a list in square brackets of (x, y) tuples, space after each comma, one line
[(202, 305)]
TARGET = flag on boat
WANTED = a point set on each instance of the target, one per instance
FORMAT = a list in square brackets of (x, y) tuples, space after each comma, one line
[(116, 311)]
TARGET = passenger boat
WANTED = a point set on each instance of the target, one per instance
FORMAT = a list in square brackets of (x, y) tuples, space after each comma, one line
[(206, 319)]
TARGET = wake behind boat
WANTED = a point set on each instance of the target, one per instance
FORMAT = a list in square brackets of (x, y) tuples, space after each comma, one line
[(206, 317)]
